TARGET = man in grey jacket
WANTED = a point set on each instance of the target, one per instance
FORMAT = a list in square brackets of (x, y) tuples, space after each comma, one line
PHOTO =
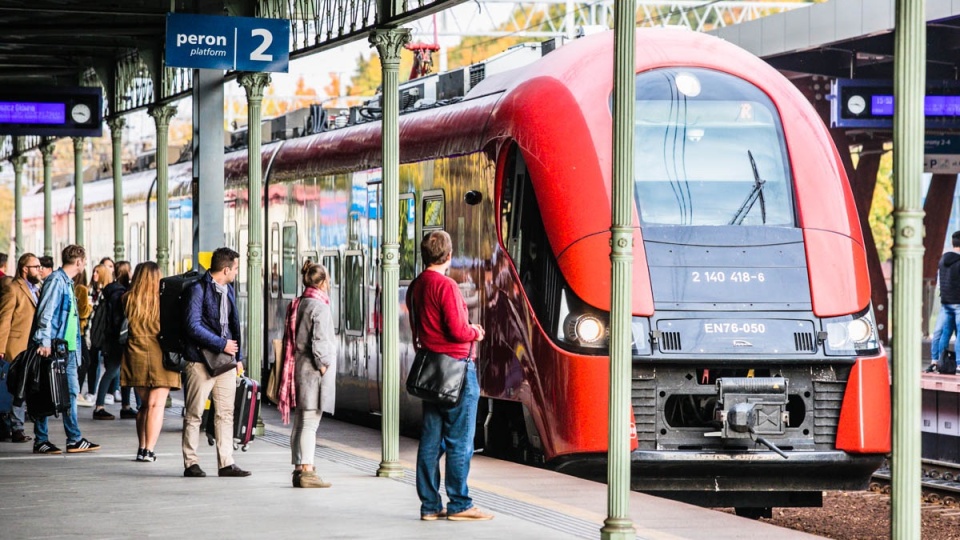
[(57, 318)]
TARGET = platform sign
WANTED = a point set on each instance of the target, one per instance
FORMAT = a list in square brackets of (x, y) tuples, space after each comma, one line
[(51, 111), (227, 43), (941, 154), (868, 103)]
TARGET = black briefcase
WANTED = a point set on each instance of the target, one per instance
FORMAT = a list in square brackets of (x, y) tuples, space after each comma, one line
[(437, 378)]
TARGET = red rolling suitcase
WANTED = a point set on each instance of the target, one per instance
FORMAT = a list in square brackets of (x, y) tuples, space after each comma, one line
[(246, 410)]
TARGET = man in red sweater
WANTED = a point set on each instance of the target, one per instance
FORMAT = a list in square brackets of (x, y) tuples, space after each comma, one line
[(442, 325)]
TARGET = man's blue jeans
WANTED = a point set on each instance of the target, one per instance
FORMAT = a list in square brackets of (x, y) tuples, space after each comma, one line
[(952, 314), (14, 415), (935, 338), (448, 430), (70, 425)]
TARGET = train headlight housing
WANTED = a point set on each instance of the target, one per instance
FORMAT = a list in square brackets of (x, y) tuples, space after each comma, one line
[(586, 330), (850, 335)]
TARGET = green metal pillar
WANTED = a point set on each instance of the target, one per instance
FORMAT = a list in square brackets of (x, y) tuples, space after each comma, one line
[(909, 77), (18, 161), (116, 124), (618, 525), (389, 42), (161, 117), (254, 84), (78, 190), (46, 150)]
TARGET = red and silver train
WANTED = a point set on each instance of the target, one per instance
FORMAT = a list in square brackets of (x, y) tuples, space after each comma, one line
[(758, 379)]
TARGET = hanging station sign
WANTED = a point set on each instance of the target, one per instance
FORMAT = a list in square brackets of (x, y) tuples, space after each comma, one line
[(227, 43), (51, 111)]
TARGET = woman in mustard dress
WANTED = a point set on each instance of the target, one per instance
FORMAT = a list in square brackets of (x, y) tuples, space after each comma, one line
[(142, 364)]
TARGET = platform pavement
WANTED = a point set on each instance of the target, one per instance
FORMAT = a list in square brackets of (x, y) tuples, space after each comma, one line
[(107, 494)]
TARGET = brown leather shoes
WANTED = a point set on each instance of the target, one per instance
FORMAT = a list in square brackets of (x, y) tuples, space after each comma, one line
[(310, 479), (20, 437), (433, 517), (470, 514)]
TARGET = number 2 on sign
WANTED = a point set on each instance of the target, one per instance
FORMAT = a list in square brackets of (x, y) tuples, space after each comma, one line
[(258, 53)]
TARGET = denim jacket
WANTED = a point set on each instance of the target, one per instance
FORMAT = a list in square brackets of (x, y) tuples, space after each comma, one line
[(203, 319), (53, 308)]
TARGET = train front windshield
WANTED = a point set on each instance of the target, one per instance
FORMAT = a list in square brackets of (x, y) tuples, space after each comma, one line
[(709, 150)]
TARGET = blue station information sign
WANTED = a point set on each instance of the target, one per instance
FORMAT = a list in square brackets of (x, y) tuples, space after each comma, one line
[(51, 111), (868, 103), (227, 43)]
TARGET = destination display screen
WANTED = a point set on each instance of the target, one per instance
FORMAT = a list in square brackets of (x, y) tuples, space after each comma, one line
[(25, 112)]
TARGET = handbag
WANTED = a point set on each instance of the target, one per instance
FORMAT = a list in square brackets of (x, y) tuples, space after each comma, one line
[(175, 362), (124, 335), (218, 363), (437, 378)]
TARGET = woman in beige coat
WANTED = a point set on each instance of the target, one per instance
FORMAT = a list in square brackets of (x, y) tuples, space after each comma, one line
[(315, 371), (142, 364)]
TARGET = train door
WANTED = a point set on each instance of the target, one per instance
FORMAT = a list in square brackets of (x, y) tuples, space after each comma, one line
[(374, 298)]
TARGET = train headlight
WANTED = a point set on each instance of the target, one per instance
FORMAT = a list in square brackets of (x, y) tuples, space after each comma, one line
[(851, 335), (586, 330)]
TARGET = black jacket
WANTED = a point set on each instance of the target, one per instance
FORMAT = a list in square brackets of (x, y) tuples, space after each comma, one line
[(950, 278), (112, 296)]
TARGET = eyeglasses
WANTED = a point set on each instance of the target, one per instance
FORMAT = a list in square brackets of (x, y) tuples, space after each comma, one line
[(34, 266)]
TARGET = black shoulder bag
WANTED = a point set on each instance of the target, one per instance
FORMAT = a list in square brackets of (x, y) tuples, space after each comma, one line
[(435, 377)]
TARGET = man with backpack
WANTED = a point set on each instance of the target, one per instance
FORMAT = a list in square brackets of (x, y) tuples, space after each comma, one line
[(105, 334), (949, 308), (212, 340)]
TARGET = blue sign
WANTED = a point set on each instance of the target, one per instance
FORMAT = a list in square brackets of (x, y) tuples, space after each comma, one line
[(941, 144), (228, 43), (25, 112), (53, 111)]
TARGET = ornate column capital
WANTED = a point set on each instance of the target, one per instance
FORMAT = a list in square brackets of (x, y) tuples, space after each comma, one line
[(254, 83), (18, 162), (389, 42), (162, 114), (78, 144), (116, 124), (46, 150)]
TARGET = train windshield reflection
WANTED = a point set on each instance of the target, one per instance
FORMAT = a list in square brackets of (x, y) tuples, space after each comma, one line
[(694, 151)]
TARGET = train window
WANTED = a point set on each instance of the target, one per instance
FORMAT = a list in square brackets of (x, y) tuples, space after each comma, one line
[(274, 261), (408, 237), (331, 260), (432, 210), (291, 271), (709, 150), (353, 292)]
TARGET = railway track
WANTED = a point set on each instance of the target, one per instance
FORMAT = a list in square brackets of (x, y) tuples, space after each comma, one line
[(940, 483)]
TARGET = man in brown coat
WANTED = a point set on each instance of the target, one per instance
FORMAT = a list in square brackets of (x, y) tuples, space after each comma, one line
[(18, 304)]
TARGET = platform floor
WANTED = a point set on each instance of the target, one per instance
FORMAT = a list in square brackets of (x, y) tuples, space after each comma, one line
[(107, 494)]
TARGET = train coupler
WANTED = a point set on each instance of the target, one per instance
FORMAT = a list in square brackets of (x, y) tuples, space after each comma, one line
[(752, 407)]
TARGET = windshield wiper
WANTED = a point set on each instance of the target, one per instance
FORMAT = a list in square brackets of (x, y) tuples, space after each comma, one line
[(755, 193)]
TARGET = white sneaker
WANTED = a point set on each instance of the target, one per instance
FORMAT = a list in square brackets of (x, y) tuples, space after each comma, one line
[(84, 402), (108, 399), (89, 397), (117, 397)]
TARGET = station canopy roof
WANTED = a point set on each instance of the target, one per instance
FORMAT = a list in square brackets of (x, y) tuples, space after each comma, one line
[(848, 39), (48, 42)]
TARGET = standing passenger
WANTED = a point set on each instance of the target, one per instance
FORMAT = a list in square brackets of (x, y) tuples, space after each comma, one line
[(142, 366), (84, 311), (46, 267), (57, 319), (440, 324), (213, 328), (112, 350), (311, 375), (18, 305), (950, 292)]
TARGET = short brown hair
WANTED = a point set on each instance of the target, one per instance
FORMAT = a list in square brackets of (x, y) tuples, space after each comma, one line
[(72, 254), (436, 248), (314, 274)]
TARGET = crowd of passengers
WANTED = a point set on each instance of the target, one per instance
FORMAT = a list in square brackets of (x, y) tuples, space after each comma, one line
[(43, 308)]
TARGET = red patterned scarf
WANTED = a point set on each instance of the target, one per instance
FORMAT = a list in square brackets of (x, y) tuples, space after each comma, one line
[(288, 383)]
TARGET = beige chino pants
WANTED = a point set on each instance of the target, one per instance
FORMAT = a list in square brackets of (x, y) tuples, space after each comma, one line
[(199, 384)]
